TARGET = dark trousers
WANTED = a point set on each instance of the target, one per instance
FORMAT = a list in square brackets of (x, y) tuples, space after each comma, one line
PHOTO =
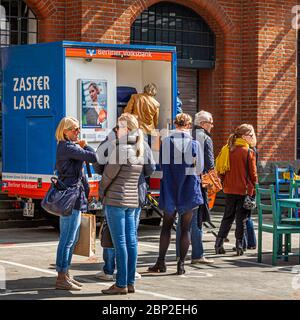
[(234, 211)]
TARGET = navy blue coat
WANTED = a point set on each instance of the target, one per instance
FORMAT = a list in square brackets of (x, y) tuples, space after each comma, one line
[(69, 165), (182, 162)]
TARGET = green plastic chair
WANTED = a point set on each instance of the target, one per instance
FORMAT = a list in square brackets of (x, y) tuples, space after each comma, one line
[(277, 227), (280, 182), (294, 192)]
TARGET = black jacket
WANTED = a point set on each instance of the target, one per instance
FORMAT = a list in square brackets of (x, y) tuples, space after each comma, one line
[(69, 164)]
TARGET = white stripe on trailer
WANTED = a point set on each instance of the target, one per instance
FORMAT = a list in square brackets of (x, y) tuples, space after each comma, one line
[(29, 177)]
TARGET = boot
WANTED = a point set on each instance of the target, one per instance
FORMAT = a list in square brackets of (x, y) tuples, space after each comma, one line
[(160, 266), (239, 247), (114, 290), (130, 288), (219, 246), (180, 267)]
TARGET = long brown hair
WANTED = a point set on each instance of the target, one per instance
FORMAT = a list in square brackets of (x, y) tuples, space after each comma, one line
[(240, 131)]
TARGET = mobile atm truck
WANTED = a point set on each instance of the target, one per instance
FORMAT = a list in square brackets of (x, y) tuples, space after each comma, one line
[(42, 83)]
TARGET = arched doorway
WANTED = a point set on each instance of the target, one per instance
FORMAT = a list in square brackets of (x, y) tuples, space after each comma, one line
[(167, 23)]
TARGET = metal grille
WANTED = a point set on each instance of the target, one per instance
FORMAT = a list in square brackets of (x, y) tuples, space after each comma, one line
[(171, 24), (18, 24)]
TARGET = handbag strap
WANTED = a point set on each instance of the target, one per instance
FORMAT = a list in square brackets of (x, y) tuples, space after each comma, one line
[(247, 170)]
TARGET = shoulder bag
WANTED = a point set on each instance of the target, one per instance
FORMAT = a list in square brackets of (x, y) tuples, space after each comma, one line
[(60, 199), (211, 181), (250, 201), (105, 236)]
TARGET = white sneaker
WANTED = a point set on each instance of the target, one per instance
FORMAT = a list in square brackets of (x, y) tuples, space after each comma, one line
[(104, 276), (202, 260), (138, 276)]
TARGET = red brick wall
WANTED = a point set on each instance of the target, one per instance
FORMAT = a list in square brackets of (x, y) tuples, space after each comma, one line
[(254, 78), (276, 81)]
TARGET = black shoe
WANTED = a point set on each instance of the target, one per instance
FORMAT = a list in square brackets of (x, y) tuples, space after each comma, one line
[(234, 248), (180, 267), (160, 266), (239, 248), (219, 246)]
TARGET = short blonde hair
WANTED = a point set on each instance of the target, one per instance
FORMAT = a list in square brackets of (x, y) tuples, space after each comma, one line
[(65, 124), (150, 89), (183, 119)]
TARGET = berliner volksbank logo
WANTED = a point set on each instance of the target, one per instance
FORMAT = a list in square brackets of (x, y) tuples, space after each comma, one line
[(91, 52)]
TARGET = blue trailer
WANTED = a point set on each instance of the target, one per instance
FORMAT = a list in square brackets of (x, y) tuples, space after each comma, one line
[(42, 83)]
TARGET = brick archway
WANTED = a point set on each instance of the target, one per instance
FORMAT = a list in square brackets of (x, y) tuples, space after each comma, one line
[(48, 16), (218, 88), (43, 9), (210, 10)]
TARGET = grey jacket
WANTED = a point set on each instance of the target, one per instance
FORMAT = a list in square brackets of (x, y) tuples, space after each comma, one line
[(104, 152), (119, 183)]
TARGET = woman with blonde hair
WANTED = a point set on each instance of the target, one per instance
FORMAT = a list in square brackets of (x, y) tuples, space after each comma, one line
[(70, 155), (118, 190), (182, 163), (236, 165)]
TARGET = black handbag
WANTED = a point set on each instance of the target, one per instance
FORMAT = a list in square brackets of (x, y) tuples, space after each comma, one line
[(203, 214), (249, 201), (60, 199), (105, 236)]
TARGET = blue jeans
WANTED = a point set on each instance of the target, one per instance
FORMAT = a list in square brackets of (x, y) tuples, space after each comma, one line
[(196, 237), (122, 226), (69, 235), (249, 239), (109, 256)]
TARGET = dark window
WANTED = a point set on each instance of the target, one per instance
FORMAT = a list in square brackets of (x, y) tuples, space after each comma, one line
[(18, 24), (167, 23)]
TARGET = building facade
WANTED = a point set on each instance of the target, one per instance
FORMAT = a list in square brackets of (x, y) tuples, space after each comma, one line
[(240, 63)]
